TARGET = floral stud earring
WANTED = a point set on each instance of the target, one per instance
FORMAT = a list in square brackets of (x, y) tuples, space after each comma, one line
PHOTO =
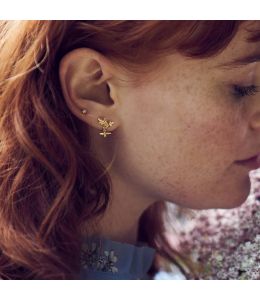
[(105, 124)]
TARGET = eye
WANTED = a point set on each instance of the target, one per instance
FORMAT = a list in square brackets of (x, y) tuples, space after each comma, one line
[(244, 91)]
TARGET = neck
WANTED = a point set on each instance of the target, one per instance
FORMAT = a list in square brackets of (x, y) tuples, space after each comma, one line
[(121, 219), (127, 201)]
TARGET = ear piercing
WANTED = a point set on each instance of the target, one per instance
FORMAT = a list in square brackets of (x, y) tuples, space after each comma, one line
[(104, 123)]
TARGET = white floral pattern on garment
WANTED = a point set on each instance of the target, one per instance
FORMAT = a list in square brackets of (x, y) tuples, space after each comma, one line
[(93, 257)]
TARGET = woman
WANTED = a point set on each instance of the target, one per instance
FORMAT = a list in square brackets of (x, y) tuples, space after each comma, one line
[(106, 123)]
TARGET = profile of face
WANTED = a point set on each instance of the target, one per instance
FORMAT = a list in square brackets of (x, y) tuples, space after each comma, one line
[(179, 132)]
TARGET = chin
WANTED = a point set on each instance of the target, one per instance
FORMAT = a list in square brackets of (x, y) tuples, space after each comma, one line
[(234, 198), (233, 204), (224, 202), (235, 201)]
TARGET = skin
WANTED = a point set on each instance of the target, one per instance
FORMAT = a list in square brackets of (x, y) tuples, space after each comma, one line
[(177, 133)]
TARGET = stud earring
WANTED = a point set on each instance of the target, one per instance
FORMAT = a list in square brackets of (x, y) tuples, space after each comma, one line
[(105, 124), (84, 111)]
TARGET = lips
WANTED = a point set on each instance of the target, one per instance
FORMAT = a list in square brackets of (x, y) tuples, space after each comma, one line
[(252, 163)]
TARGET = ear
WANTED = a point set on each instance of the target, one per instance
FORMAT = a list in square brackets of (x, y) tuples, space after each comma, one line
[(87, 80)]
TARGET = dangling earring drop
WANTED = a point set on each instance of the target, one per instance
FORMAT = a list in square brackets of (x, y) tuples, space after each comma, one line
[(105, 124)]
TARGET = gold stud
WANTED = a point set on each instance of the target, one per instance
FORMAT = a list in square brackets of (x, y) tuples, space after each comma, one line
[(105, 124)]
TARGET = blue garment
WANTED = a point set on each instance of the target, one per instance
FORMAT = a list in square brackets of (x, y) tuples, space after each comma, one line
[(103, 258)]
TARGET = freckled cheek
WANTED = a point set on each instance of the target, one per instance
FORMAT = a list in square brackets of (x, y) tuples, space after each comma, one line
[(216, 141)]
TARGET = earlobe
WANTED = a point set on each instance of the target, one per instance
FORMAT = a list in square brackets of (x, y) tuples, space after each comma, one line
[(84, 76)]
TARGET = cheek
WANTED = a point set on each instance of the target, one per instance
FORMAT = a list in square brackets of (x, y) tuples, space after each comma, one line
[(179, 146), (181, 151), (195, 168), (199, 137)]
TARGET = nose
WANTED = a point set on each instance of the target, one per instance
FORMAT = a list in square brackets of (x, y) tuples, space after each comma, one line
[(254, 113), (255, 120)]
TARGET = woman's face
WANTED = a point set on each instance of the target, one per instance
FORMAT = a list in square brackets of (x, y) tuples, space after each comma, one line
[(183, 130)]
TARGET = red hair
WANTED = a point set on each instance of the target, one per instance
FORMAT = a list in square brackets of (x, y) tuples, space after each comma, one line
[(50, 184)]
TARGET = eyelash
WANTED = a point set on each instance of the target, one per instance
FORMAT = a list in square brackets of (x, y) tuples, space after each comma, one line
[(244, 91)]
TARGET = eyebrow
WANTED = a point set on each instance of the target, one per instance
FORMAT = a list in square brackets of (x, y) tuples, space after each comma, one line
[(240, 62)]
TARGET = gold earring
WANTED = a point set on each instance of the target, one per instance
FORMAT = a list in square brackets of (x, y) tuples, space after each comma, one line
[(105, 125)]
